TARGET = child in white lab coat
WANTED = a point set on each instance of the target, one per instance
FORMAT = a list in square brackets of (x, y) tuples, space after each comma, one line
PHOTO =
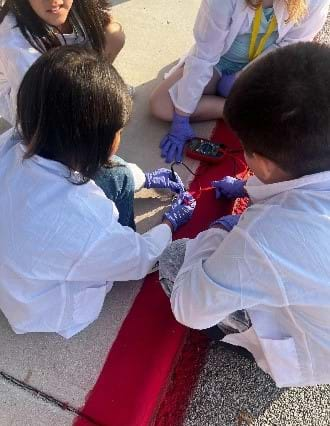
[(265, 281), (229, 34), (63, 242), (30, 27)]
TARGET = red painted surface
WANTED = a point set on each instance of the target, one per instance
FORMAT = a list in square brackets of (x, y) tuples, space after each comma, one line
[(138, 369), (186, 372)]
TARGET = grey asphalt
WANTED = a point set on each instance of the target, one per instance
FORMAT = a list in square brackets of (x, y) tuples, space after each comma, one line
[(233, 391)]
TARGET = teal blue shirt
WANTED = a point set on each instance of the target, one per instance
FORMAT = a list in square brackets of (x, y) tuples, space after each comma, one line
[(237, 56)]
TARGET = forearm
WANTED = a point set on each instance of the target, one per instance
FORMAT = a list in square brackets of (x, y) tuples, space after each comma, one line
[(150, 247), (168, 223), (203, 246), (180, 112)]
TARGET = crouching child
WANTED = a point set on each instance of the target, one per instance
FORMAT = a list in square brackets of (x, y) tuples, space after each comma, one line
[(265, 281)]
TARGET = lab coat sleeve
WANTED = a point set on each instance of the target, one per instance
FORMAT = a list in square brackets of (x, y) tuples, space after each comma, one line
[(117, 253), (15, 60), (210, 32), (235, 276)]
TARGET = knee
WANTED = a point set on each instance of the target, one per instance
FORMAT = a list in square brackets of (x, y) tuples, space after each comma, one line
[(115, 39), (160, 105), (124, 179), (172, 259), (116, 181)]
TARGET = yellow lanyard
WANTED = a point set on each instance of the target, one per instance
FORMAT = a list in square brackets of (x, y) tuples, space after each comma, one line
[(255, 51)]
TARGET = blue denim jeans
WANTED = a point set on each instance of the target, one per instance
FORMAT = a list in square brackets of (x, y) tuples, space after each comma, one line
[(117, 183)]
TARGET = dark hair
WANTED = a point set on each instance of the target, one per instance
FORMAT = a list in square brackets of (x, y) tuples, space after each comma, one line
[(88, 17), (70, 105), (280, 108)]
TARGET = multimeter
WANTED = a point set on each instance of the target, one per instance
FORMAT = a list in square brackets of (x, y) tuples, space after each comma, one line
[(205, 150)]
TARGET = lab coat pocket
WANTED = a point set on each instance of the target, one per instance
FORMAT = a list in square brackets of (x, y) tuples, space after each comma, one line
[(282, 360), (88, 304)]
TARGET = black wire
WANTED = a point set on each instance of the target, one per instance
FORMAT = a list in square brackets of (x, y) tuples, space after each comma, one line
[(227, 151), (181, 163)]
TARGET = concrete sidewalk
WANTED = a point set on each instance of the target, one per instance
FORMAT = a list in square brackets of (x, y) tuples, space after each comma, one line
[(231, 391), (157, 32)]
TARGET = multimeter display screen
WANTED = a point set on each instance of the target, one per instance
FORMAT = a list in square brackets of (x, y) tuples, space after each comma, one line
[(205, 147)]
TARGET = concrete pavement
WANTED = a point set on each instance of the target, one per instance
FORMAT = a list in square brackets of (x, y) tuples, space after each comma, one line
[(231, 390), (67, 369)]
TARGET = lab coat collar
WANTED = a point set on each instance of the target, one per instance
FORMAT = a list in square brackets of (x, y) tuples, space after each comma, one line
[(8, 23), (281, 13), (259, 191), (51, 166)]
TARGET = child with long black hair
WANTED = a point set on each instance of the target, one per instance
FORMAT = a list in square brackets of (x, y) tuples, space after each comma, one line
[(31, 27), (63, 242)]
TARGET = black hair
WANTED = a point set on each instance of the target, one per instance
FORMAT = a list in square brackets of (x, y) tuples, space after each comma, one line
[(88, 17), (280, 108), (70, 105)]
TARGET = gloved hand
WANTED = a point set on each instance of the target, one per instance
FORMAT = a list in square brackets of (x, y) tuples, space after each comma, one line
[(181, 210), (228, 222), (173, 143), (229, 187), (225, 84), (163, 178)]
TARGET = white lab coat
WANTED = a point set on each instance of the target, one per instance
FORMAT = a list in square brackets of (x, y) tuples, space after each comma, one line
[(16, 57), (217, 25), (61, 246), (275, 264)]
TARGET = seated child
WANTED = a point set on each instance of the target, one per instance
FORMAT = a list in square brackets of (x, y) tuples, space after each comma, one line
[(61, 245), (30, 27), (229, 36), (266, 283)]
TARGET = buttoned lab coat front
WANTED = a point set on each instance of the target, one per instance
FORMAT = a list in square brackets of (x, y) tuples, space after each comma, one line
[(61, 246), (217, 25), (275, 264)]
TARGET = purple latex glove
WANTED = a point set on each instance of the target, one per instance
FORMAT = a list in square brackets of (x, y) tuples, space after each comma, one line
[(225, 84), (163, 178), (228, 222), (181, 210), (229, 187), (173, 143)]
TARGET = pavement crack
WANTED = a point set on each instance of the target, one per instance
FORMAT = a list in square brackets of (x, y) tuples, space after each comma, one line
[(46, 397)]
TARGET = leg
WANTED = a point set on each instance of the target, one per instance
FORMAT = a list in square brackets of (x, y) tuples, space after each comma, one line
[(117, 182), (115, 40), (210, 106), (170, 263)]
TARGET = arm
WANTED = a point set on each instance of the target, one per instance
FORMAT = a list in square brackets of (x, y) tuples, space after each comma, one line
[(210, 32), (117, 253), (215, 282), (14, 62), (113, 252)]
